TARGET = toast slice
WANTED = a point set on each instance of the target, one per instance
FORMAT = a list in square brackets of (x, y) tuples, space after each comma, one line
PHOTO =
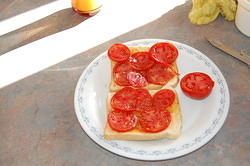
[(173, 131), (113, 87)]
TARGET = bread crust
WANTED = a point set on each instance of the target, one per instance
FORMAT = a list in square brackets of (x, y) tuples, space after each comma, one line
[(173, 131)]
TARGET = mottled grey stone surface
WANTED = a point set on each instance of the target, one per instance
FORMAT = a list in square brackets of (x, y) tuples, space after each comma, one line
[(10, 8), (38, 125)]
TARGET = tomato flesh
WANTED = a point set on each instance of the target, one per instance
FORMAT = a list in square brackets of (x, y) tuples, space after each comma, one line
[(118, 52), (132, 105), (159, 74), (154, 120), (197, 85), (136, 79), (124, 99), (143, 100), (120, 73), (163, 99), (122, 121), (164, 53), (141, 60), (130, 99)]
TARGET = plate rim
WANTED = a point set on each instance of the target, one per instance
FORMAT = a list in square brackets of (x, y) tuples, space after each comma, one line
[(187, 148)]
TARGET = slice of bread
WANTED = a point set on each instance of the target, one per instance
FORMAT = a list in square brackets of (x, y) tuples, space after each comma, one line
[(173, 131), (113, 87)]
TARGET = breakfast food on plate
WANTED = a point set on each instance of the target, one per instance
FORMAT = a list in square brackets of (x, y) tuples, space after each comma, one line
[(141, 104), (147, 67), (197, 85), (141, 114)]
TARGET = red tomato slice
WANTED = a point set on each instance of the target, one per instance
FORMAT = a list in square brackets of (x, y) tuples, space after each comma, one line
[(154, 121), (141, 60), (122, 121), (163, 99), (124, 99), (164, 53), (120, 73), (143, 100), (136, 79), (197, 85), (159, 74), (143, 73), (129, 99), (118, 52)]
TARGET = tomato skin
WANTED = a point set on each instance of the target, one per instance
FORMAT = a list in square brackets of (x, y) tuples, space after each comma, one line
[(141, 60), (118, 52), (154, 121), (197, 85), (163, 99), (164, 53), (122, 121)]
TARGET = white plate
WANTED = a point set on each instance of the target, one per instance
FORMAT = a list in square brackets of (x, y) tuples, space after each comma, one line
[(202, 119)]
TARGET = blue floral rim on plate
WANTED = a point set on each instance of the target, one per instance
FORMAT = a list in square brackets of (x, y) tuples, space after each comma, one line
[(194, 144)]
